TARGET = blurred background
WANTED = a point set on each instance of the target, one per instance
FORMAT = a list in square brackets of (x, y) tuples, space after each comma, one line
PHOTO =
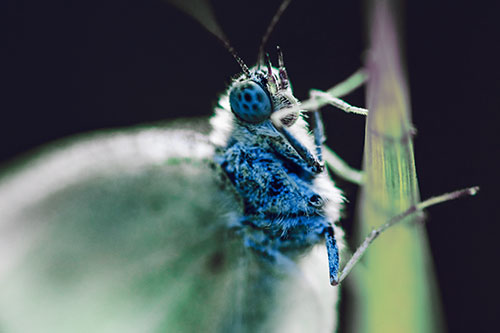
[(73, 67)]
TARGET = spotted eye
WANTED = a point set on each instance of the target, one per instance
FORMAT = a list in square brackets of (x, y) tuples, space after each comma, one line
[(250, 102)]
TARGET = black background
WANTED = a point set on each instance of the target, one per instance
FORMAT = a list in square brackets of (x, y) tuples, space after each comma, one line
[(78, 66)]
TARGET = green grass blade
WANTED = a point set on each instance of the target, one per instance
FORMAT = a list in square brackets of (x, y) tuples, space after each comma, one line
[(395, 289)]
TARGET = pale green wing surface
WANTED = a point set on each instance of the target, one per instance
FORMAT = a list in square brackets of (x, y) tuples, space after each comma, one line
[(127, 232)]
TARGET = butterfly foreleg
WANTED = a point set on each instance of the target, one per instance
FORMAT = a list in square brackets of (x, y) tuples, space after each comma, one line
[(341, 168), (324, 153), (319, 134), (333, 255), (347, 86)]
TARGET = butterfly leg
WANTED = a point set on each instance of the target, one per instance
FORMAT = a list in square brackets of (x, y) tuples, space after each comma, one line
[(341, 168), (333, 255), (334, 162), (319, 134), (315, 165), (347, 86), (332, 96), (327, 98)]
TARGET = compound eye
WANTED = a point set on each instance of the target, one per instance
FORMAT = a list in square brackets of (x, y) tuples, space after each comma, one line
[(249, 102)]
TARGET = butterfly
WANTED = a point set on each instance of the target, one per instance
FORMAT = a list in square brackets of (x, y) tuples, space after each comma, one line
[(148, 229), (141, 230)]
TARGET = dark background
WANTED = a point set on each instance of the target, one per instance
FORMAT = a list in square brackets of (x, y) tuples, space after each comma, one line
[(78, 66)]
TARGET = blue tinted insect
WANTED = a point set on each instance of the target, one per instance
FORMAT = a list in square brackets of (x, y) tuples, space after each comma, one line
[(129, 231), (289, 203)]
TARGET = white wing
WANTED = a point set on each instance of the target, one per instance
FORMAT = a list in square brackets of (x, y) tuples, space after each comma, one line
[(126, 232)]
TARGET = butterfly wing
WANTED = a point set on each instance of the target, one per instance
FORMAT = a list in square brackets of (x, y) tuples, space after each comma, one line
[(127, 231)]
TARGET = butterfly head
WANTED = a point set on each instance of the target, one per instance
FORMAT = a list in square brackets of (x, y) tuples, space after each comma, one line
[(260, 92)]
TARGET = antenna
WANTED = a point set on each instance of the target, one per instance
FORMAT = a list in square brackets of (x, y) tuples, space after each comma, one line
[(240, 62), (270, 28), (202, 12)]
